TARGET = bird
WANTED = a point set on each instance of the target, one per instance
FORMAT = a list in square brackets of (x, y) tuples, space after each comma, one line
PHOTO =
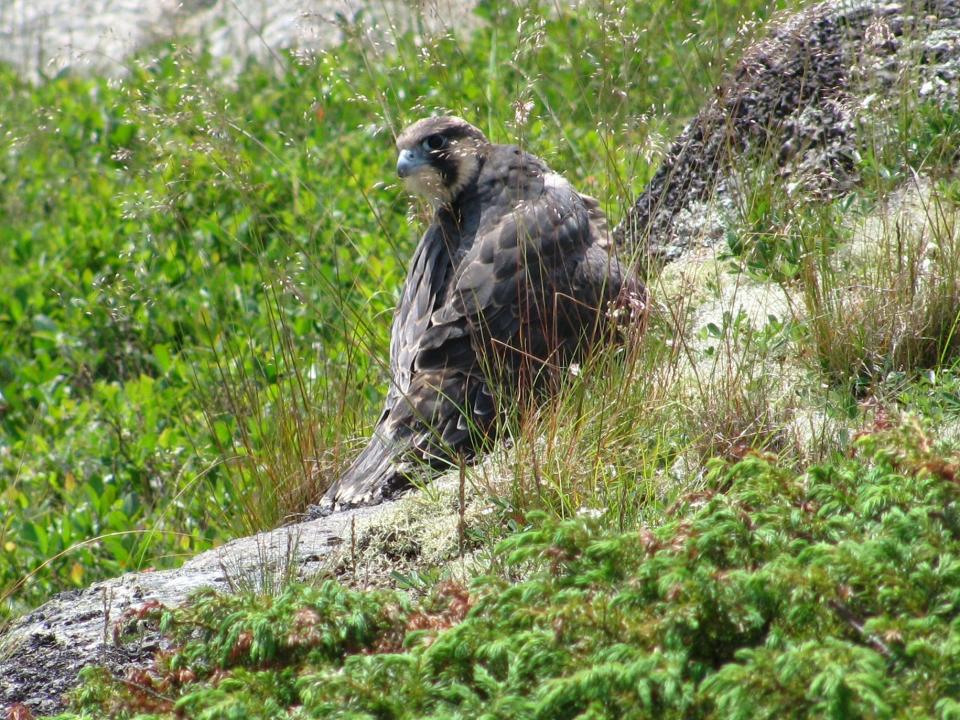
[(511, 282)]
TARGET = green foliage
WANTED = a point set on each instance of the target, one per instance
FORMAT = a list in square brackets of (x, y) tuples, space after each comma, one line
[(196, 274), (832, 593), (908, 134)]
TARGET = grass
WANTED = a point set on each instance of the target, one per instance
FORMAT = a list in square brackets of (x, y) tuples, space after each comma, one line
[(197, 274), (890, 301), (751, 503)]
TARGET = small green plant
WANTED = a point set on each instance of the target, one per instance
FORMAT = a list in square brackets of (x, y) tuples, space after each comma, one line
[(828, 593)]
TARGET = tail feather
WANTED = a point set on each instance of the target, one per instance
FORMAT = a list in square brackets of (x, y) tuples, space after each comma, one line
[(376, 475)]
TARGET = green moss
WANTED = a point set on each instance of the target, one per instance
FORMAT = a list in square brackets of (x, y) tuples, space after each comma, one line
[(831, 593)]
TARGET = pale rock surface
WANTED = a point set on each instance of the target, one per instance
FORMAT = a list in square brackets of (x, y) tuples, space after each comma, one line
[(42, 38)]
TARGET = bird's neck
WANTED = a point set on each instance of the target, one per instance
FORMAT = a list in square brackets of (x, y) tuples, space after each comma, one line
[(449, 215), (467, 183)]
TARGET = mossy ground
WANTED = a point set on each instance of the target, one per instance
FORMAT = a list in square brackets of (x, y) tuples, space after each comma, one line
[(769, 593)]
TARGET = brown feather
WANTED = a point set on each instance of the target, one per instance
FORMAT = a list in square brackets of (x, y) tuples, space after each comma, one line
[(511, 279)]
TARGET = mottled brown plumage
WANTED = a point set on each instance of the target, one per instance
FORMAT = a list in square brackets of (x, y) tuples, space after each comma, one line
[(512, 278)]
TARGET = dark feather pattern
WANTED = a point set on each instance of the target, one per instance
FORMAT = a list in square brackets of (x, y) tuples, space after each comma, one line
[(511, 279)]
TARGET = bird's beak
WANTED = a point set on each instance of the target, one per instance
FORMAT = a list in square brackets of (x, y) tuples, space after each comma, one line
[(409, 162)]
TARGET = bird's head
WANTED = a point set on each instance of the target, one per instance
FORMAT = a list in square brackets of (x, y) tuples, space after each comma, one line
[(439, 156)]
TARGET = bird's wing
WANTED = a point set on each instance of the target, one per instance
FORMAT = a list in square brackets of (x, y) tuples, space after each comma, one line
[(377, 472), (427, 278), (525, 253)]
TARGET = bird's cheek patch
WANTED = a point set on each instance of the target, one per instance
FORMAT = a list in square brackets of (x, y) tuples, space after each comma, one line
[(427, 183)]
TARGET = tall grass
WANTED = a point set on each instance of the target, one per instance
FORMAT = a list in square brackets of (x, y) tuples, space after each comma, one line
[(889, 300), (197, 274)]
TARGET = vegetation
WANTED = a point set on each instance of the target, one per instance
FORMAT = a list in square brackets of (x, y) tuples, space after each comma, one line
[(829, 594), (748, 511), (195, 273)]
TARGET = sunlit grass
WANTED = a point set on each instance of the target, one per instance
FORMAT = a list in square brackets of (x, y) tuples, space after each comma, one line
[(197, 277)]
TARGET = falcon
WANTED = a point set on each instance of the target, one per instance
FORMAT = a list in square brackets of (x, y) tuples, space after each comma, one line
[(511, 282)]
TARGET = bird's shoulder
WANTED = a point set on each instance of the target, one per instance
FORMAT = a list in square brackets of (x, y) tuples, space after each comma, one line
[(509, 173), (516, 188), (526, 222)]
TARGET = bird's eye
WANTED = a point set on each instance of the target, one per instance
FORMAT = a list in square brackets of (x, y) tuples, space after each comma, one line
[(435, 142)]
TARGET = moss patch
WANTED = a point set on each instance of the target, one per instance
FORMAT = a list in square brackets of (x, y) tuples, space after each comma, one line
[(828, 593)]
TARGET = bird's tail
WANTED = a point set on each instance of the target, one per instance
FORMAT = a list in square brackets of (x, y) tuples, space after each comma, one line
[(376, 475)]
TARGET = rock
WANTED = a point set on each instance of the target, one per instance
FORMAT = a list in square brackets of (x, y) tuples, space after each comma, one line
[(795, 98), (42, 652), (42, 38)]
